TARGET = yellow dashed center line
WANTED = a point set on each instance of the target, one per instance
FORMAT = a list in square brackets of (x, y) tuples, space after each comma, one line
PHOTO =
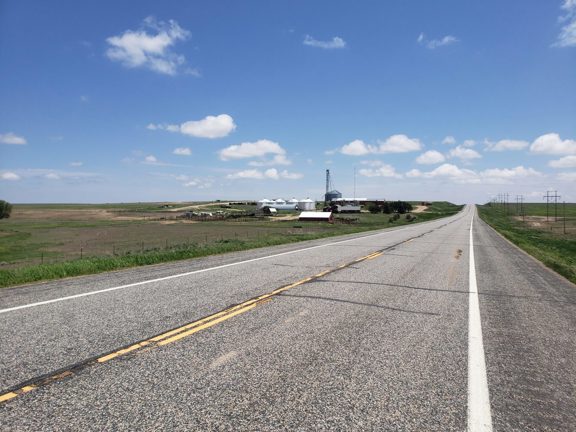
[(207, 325), (7, 396), (183, 331)]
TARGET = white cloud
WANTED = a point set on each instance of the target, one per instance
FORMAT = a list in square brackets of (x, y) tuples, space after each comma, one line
[(414, 173), (465, 154), (209, 127), (567, 176), (260, 149), (496, 175), (247, 174), (335, 43), (436, 43), (76, 164), (197, 183), (430, 157), (382, 171), (372, 163), (149, 50), (151, 160), (278, 159), (469, 143), (565, 162), (357, 148), (12, 138), (453, 172), (505, 145), (269, 174), (465, 176), (567, 36), (552, 144), (394, 144), (50, 174), (10, 176), (449, 140), (291, 176), (182, 151), (399, 144)]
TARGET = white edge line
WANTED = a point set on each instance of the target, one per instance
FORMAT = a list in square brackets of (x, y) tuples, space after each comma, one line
[(479, 415), (60, 299)]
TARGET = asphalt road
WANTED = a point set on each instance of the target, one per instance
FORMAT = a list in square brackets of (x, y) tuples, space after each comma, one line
[(367, 332)]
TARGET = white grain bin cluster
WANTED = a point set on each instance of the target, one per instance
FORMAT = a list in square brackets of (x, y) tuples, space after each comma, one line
[(292, 204)]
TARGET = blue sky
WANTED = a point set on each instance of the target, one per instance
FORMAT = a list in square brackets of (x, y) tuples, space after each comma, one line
[(197, 100)]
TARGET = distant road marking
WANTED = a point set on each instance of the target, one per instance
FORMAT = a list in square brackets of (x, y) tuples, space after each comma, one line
[(479, 415), (165, 278)]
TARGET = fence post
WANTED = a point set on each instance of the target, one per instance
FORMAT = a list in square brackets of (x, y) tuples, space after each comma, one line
[(81, 252)]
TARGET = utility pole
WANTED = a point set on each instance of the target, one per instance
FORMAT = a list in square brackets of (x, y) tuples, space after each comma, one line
[(556, 196), (519, 205), (547, 197)]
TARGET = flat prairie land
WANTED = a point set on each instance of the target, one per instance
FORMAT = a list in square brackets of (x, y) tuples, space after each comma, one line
[(549, 235), (91, 238)]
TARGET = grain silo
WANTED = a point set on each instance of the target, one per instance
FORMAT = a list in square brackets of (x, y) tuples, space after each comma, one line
[(333, 194), (306, 205)]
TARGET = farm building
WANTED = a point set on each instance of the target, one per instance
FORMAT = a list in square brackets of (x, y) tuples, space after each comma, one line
[(314, 216), (292, 204)]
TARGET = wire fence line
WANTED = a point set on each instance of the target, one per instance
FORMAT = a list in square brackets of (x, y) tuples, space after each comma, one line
[(107, 248)]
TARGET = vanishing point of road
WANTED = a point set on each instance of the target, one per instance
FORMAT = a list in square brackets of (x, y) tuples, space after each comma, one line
[(438, 326)]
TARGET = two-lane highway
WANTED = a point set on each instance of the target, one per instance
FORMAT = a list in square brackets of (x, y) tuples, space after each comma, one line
[(367, 332)]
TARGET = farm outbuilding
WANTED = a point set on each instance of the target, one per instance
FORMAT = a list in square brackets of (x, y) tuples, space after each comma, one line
[(314, 216)]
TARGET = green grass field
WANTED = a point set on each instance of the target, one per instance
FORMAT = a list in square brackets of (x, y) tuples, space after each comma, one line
[(42, 242), (550, 240)]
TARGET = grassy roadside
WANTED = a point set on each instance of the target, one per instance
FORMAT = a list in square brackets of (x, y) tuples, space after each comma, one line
[(556, 252), (98, 264)]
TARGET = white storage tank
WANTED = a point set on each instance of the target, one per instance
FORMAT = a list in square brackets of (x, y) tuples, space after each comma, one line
[(263, 203), (306, 205)]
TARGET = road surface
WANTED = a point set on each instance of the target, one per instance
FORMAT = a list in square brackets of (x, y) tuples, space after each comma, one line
[(439, 326)]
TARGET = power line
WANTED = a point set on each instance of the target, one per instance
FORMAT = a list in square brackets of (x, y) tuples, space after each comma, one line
[(548, 198)]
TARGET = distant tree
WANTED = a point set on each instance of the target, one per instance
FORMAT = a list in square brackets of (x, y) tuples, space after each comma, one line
[(401, 207), (5, 209), (374, 208), (386, 208)]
